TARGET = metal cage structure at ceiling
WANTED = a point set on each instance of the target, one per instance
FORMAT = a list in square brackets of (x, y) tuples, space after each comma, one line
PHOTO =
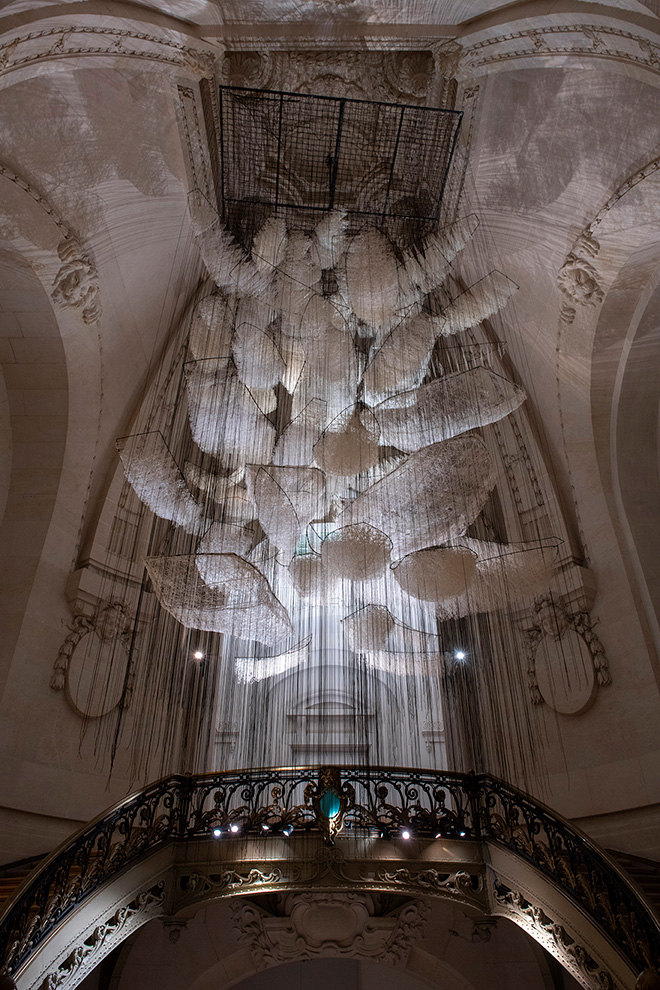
[(301, 155)]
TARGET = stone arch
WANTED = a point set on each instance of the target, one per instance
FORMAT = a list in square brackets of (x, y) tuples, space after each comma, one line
[(625, 398), (35, 378), (484, 880), (50, 355)]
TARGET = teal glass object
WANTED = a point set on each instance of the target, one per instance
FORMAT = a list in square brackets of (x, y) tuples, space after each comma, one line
[(330, 804)]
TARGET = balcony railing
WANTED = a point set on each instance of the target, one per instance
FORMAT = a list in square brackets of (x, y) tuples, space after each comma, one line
[(386, 802)]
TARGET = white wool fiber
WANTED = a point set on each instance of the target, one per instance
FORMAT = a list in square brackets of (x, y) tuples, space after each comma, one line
[(372, 279), (227, 263), (330, 240), (156, 480), (269, 245), (481, 300)]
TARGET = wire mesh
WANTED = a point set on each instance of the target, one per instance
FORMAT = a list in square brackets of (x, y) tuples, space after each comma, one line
[(301, 155)]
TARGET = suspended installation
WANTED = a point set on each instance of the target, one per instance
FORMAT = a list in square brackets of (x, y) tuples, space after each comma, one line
[(321, 469)]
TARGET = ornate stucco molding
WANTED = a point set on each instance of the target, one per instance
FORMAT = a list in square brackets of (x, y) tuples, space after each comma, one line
[(554, 937), (578, 279), (331, 868), (110, 626), (569, 635), (84, 957), (64, 41), (409, 75), (308, 925), (552, 40), (76, 284)]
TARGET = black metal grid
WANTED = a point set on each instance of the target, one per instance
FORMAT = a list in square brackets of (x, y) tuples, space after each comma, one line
[(284, 152)]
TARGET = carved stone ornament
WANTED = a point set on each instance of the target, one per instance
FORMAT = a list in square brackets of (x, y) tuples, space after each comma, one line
[(566, 661), (554, 937), (310, 925), (578, 279), (333, 869), (77, 283), (92, 662), (407, 75), (247, 68), (104, 937), (410, 73)]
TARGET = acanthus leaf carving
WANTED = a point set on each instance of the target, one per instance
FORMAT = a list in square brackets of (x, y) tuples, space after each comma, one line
[(410, 73), (578, 279), (309, 925), (77, 282)]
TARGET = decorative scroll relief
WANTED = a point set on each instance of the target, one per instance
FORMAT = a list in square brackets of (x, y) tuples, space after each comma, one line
[(105, 937), (554, 937), (96, 39), (563, 40), (566, 661), (410, 74), (578, 279), (310, 925), (77, 282), (92, 663)]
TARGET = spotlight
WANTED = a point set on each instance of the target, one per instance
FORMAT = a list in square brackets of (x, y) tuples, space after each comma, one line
[(287, 830), (438, 835), (406, 834), (459, 655), (462, 834), (217, 832), (264, 827), (234, 827), (198, 655)]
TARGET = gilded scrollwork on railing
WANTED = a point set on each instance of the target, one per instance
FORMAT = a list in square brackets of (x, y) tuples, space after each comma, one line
[(389, 803), (570, 860)]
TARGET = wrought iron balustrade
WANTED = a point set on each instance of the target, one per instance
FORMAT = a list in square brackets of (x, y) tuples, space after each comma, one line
[(383, 801)]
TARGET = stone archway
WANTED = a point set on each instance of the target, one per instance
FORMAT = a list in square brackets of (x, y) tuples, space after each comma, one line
[(626, 397)]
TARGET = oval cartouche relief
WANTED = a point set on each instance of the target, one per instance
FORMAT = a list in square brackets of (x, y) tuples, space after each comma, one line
[(565, 673)]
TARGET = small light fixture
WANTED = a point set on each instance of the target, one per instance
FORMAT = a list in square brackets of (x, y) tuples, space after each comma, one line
[(217, 832), (438, 835), (459, 655), (462, 834), (287, 830), (385, 833), (198, 655), (406, 834), (264, 827), (234, 827)]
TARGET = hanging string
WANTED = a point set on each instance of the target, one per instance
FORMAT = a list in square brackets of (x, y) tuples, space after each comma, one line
[(330, 573)]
